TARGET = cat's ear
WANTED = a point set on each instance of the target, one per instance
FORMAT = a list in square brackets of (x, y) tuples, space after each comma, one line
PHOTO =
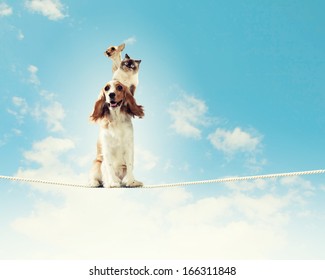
[(138, 61), (126, 56)]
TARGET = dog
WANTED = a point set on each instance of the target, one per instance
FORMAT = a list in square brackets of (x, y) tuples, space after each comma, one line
[(114, 53), (128, 73), (113, 166)]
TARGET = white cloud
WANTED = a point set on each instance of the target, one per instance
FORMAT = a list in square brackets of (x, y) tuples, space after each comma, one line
[(231, 142), (16, 131), (304, 186), (244, 186), (46, 109), (188, 114), (156, 225), (52, 9), (48, 150), (50, 155), (54, 114), (21, 104), (5, 139), (33, 78), (20, 35), (130, 41), (5, 10), (145, 158), (51, 113), (21, 108), (149, 224)]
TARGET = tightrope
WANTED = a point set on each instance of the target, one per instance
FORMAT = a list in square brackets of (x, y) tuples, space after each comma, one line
[(180, 184)]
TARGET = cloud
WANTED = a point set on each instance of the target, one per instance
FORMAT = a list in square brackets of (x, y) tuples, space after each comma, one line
[(130, 41), (5, 10), (188, 114), (234, 141), (20, 35), (50, 158), (156, 225), (145, 158), (305, 187), (33, 78), (46, 109), (52, 9), (20, 110), (20, 103), (151, 224), (54, 115), (48, 150)]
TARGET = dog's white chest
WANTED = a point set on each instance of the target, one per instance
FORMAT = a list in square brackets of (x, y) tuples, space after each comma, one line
[(119, 137)]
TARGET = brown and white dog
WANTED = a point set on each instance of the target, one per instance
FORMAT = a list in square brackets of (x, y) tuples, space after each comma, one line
[(113, 111), (114, 53)]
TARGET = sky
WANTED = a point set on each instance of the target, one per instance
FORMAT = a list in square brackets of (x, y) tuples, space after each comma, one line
[(230, 88)]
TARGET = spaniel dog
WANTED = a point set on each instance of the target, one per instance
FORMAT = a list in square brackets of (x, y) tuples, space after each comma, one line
[(113, 110)]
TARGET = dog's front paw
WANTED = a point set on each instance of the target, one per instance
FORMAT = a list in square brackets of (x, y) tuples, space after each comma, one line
[(115, 184), (134, 184), (94, 183), (112, 184)]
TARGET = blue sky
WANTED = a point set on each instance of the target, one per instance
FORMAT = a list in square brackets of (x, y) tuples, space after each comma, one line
[(230, 88)]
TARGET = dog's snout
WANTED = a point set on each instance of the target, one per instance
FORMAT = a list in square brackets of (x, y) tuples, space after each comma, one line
[(112, 95)]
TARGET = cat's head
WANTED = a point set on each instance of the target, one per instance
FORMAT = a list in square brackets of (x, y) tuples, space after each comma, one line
[(130, 65)]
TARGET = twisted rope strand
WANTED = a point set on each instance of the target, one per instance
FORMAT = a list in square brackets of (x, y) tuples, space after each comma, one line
[(170, 185), (236, 179)]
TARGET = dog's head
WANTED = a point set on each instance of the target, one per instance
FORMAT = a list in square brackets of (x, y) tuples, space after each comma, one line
[(113, 51), (130, 65), (116, 96)]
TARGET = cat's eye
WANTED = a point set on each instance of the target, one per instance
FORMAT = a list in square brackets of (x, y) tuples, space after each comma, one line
[(119, 88), (132, 66), (107, 88)]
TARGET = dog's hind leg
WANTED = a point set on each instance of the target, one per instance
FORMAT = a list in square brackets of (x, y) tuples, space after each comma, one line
[(95, 178)]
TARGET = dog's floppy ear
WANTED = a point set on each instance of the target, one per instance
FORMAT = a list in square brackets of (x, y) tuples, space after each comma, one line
[(126, 56), (121, 47), (131, 107), (132, 89), (100, 108)]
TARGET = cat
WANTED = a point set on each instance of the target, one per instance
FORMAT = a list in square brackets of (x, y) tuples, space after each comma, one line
[(128, 73)]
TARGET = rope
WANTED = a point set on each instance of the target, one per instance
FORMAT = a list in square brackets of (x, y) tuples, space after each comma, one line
[(236, 179), (169, 185)]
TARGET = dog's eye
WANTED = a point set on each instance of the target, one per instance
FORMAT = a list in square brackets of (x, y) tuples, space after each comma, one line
[(112, 49), (119, 87), (107, 88)]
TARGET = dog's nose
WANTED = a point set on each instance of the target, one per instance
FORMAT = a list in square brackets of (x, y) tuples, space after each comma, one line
[(112, 95), (108, 53)]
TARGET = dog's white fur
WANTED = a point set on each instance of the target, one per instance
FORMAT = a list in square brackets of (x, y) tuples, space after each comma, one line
[(113, 166)]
